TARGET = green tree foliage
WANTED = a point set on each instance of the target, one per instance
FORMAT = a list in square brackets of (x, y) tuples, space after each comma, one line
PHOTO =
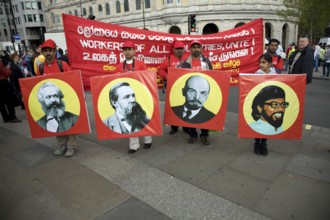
[(312, 16)]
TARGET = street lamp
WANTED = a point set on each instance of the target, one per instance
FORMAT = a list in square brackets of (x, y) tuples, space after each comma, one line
[(144, 22)]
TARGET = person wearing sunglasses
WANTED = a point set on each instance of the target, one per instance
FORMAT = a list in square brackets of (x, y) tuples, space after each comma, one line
[(268, 109)]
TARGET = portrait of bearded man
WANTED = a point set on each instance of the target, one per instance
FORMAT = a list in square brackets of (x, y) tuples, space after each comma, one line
[(56, 119), (268, 109), (129, 116)]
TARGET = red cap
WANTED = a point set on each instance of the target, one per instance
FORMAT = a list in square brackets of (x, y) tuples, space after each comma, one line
[(128, 44), (178, 44), (195, 42), (48, 43)]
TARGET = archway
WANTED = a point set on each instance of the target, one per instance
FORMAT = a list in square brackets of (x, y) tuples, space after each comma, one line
[(268, 30), (210, 29), (239, 24), (285, 40), (174, 30)]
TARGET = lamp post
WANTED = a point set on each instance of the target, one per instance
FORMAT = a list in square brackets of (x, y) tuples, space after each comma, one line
[(144, 22)]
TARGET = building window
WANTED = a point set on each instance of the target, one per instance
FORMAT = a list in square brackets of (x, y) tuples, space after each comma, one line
[(58, 19), (23, 7), (75, 12), (84, 12), (1, 11), (118, 6), (5, 31), (91, 11), (29, 18), (17, 20), (28, 5), (25, 18), (34, 5), (100, 11), (70, 12), (126, 6), (39, 6), (138, 4), (41, 18), (52, 18), (147, 4), (107, 9), (36, 18)]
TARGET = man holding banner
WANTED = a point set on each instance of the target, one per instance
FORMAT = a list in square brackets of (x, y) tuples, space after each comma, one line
[(176, 61), (67, 143), (197, 61), (130, 65)]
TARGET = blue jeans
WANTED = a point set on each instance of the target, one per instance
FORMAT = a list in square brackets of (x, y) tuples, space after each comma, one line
[(316, 63), (326, 66)]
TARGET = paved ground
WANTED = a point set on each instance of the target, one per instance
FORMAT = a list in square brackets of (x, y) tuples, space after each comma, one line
[(172, 180)]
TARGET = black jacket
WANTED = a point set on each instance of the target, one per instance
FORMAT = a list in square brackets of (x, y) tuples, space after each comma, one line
[(203, 115), (304, 64), (187, 62)]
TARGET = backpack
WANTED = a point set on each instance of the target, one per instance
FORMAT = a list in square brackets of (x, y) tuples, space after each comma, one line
[(278, 58), (41, 67)]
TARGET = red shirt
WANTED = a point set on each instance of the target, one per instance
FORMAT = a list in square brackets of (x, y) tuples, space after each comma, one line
[(4, 71), (123, 67), (53, 67), (196, 64), (172, 61), (277, 62)]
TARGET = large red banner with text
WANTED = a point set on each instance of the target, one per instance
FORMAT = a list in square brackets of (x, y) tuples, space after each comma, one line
[(94, 47)]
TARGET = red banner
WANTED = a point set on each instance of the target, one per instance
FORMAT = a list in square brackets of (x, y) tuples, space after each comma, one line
[(204, 93), (55, 104), (271, 106), (94, 47), (126, 105)]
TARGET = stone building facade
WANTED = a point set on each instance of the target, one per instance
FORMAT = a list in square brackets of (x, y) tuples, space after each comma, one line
[(22, 18), (171, 16)]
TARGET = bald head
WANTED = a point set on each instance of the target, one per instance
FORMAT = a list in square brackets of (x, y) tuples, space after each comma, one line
[(196, 91)]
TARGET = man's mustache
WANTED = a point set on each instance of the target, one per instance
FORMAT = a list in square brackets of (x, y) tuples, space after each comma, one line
[(54, 105), (195, 102)]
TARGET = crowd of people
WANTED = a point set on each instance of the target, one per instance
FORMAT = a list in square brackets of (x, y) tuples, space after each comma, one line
[(300, 58)]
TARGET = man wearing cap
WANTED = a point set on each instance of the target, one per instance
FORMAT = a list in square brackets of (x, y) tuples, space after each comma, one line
[(174, 60), (48, 49), (197, 61), (67, 143), (130, 65), (268, 108)]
